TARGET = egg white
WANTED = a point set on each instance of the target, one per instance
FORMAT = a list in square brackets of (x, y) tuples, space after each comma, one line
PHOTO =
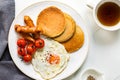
[(42, 66)]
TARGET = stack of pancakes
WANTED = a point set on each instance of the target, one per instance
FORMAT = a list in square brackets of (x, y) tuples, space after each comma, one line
[(60, 26)]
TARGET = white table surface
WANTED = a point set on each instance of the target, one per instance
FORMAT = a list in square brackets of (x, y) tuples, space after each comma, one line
[(105, 58)]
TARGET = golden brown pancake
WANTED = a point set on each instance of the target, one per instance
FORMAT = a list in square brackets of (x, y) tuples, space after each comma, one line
[(76, 41), (51, 22), (70, 27)]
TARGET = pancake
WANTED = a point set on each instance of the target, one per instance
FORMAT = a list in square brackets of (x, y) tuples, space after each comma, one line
[(70, 26), (51, 22), (75, 42)]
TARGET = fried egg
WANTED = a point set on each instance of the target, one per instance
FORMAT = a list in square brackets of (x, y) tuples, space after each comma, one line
[(51, 60)]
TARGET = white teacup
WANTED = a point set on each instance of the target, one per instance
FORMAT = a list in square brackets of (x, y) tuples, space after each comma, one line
[(96, 8)]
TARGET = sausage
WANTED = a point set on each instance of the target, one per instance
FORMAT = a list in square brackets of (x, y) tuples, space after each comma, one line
[(28, 21), (28, 37), (24, 29)]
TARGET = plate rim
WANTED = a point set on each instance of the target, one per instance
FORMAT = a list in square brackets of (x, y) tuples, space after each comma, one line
[(73, 53)]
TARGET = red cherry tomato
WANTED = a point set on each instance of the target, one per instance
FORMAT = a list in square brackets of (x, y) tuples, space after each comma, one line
[(21, 42), (39, 43), (27, 58), (30, 48), (21, 51)]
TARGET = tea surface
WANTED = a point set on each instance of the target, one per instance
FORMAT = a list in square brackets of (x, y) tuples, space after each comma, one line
[(109, 14)]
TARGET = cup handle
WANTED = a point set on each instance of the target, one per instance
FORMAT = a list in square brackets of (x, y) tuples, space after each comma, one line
[(91, 4)]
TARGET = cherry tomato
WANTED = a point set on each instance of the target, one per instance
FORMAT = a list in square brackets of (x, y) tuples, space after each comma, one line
[(39, 43), (27, 58), (21, 51), (21, 42), (30, 48)]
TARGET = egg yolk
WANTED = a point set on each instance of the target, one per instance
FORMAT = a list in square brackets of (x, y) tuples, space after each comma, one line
[(54, 59)]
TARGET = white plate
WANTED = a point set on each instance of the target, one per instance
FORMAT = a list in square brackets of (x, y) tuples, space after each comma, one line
[(76, 59)]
